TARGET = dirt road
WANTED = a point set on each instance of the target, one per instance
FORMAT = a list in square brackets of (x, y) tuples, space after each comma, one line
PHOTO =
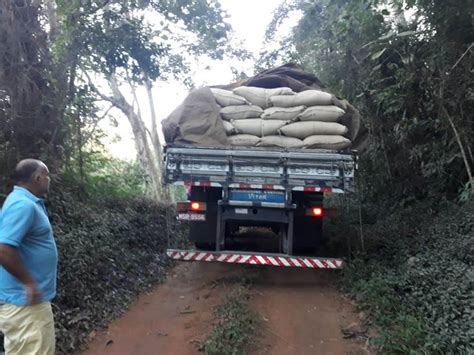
[(301, 312)]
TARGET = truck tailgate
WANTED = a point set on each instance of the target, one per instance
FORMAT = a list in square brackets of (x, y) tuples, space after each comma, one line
[(260, 168)]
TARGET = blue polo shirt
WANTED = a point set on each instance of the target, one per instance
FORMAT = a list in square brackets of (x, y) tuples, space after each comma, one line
[(24, 224)]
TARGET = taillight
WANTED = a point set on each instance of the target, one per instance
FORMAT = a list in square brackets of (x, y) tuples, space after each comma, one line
[(187, 206), (315, 211)]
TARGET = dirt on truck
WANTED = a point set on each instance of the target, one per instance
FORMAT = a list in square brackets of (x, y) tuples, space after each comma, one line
[(261, 153)]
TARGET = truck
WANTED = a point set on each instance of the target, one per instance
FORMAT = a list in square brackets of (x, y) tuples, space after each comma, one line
[(253, 205), (279, 189)]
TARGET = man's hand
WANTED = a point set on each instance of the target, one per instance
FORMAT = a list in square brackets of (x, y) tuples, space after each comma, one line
[(33, 295), (12, 262)]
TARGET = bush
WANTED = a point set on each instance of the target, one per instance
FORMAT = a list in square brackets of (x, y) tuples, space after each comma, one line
[(416, 278), (110, 250)]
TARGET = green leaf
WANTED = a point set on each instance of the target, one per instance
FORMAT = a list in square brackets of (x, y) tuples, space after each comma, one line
[(378, 54)]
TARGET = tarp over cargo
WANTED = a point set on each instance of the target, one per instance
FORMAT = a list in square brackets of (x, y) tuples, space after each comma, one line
[(197, 120)]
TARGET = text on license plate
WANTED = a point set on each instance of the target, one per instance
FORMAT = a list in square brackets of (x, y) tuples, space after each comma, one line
[(191, 217)]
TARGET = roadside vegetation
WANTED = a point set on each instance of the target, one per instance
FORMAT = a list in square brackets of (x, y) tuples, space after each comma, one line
[(413, 276), (236, 323), (407, 66)]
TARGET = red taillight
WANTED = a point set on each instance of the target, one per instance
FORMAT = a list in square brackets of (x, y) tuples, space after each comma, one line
[(317, 211), (195, 206)]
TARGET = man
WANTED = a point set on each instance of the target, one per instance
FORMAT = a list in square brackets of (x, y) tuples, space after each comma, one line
[(28, 260)]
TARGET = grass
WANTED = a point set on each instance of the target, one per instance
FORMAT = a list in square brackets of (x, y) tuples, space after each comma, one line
[(235, 322)]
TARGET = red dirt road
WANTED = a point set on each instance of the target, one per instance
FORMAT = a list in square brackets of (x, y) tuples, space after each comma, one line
[(301, 312)]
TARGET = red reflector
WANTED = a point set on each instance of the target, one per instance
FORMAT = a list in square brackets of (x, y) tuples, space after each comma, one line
[(317, 211), (195, 206)]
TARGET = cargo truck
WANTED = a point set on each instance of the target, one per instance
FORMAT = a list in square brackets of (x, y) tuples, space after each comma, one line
[(234, 190), (280, 189)]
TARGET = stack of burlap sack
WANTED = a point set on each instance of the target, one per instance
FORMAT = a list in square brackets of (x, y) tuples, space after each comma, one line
[(280, 117)]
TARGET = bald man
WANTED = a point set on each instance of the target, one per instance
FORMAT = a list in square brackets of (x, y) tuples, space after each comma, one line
[(28, 259)]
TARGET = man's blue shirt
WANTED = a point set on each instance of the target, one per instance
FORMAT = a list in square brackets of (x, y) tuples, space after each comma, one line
[(24, 224)]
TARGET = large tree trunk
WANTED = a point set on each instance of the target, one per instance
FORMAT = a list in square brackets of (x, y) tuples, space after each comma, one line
[(145, 153), (155, 138)]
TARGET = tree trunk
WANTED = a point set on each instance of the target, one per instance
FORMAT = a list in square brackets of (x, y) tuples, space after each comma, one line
[(155, 138), (145, 153), (461, 147), (52, 18)]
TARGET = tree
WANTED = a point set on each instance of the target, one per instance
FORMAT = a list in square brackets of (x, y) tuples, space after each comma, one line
[(50, 49), (116, 42), (409, 76), (29, 115)]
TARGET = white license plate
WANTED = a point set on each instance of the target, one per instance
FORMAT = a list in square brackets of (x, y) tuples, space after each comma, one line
[(242, 211), (191, 217)]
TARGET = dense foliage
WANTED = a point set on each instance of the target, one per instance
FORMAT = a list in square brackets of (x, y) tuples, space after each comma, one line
[(58, 57), (414, 275), (407, 66), (110, 251)]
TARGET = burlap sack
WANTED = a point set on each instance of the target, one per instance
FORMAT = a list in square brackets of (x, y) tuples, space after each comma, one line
[(281, 142), (196, 121), (244, 140), (258, 127), (329, 113), (227, 98), (305, 98), (326, 142), (282, 113), (302, 130), (240, 112), (260, 96)]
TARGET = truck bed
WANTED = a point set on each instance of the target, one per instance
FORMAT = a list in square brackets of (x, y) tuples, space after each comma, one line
[(261, 168)]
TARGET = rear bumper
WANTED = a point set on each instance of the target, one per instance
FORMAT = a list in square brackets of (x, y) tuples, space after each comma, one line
[(234, 257)]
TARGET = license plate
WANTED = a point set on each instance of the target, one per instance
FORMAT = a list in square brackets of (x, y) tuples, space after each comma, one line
[(191, 217), (241, 211), (257, 196)]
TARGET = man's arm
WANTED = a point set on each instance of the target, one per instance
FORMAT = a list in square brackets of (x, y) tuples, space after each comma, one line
[(11, 261)]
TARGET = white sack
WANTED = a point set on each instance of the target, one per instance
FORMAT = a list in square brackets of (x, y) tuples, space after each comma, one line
[(229, 128), (227, 98), (240, 112), (281, 142), (260, 96), (244, 140), (258, 127), (306, 98), (321, 113), (302, 130), (282, 113), (326, 142)]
